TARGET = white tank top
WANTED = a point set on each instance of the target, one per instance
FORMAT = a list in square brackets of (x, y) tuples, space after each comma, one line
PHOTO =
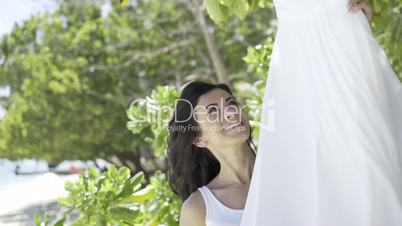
[(217, 214)]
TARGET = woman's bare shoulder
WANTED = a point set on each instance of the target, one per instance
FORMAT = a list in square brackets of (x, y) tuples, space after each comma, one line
[(193, 210)]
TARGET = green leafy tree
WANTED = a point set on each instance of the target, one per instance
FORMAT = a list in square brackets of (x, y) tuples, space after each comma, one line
[(151, 115), (387, 27), (74, 72), (387, 22)]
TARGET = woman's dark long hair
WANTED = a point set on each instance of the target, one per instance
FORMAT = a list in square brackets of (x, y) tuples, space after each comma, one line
[(191, 167)]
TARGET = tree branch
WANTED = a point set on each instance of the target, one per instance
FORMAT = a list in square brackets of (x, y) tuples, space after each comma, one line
[(141, 55)]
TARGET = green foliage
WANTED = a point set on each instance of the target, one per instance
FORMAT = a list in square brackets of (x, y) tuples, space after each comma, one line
[(38, 220), (387, 22), (73, 73), (217, 11), (387, 27), (251, 94), (150, 115), (61, 106), (220, 10), (164, 209), (109, 199), (124, 3), (258, 58), (113, 198)]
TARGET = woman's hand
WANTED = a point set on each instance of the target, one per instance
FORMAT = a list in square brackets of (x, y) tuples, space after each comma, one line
[(356, 5)]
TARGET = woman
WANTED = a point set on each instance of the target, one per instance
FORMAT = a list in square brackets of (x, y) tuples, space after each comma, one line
[(330, 142), (210, 155)]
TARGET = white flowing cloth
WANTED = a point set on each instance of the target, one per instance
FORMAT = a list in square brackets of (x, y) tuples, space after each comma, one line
[(331, 130)]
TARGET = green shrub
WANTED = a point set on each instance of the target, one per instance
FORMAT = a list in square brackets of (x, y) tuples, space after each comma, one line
[(115, 198)]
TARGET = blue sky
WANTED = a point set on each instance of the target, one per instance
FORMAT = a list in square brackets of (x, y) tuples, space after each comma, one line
[(16, 11)]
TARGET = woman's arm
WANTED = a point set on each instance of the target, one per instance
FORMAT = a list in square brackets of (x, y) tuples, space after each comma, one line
[(356, 5), (193, 211)]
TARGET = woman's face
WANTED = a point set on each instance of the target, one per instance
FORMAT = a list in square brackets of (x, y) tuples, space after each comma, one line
[(222, 120)]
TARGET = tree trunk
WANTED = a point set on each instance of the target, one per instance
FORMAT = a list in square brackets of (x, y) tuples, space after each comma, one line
[(213, 52)]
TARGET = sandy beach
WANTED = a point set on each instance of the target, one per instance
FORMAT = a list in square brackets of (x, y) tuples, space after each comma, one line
[(23, 195)]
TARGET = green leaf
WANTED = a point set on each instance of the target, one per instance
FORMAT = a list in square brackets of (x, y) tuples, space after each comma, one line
[(70, 186), (240, 8), (47, 218), (124, 3), (100, 220), (131, 185), (141, 196), (124, 173), (137, 179), (65, 201), (163, 211), (124, 213), (154, 222), (227, 3), (60, 222), (253, 4), (37, 219), (218, 13), (92, 173)]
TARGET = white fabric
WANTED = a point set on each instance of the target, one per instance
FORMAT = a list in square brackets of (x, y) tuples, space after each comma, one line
[(217, 214), (331, 130)]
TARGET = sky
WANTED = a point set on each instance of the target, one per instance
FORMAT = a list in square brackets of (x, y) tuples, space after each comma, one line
[(16, 11)]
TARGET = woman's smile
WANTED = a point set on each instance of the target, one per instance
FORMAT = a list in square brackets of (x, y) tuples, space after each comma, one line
[(238, 126)]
